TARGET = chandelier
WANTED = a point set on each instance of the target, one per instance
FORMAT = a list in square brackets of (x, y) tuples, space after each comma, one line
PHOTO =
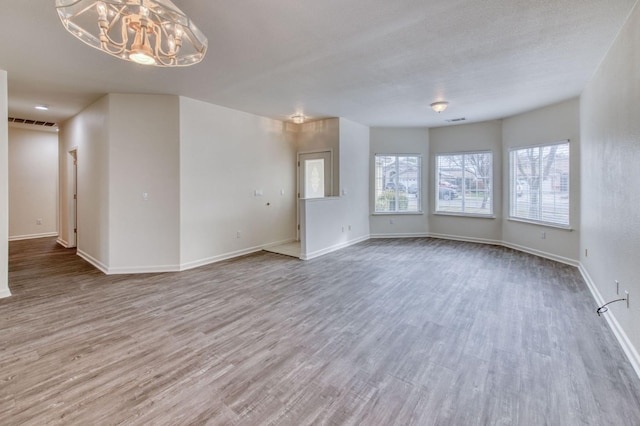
[(148, 32)]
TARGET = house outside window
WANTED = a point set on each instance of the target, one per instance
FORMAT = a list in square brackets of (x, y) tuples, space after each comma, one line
[(397, 183), (464, 183)]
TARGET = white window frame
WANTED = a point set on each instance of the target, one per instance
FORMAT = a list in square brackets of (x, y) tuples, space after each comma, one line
[(513, 186), (377, 179), (462, 191)]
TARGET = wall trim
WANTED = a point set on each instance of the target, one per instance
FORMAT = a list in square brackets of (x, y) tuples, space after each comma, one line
[(63, 243), (467, 239), (539, 253), (95, 262), (5, 293), (142, 269), (218, 258), (628, 348), (279, 243), (33, 236), (318, 253), (401, 235)]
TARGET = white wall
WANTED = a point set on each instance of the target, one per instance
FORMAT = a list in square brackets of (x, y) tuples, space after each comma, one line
[(485, 136), (394, 140), (144, 158), (33, 183), (354, 188), (331, 223), (225, 156), (610, 129), (550, 124), (88, 133), (4, 189)]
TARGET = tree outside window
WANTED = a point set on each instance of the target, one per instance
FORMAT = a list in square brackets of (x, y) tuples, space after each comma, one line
[(539, 183), (464, 183)]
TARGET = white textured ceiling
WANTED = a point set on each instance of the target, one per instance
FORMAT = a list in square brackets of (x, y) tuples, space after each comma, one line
[(377, 62)]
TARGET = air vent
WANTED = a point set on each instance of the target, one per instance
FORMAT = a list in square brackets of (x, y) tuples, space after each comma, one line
[(31, 122), (455, 120)]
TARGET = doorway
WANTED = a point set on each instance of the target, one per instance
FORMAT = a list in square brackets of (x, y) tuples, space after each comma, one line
[(315, 177), (315, 174)]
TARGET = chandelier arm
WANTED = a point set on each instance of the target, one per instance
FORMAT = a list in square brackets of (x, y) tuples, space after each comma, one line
[(160, 54), (121, 46)]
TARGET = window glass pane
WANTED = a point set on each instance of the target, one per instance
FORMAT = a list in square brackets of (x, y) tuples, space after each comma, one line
[(539, 184), (314, 178), (464, 183), (397, 183)]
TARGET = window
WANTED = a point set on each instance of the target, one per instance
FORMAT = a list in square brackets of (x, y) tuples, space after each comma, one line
[(539, 184), (397, 183), (464, 183)]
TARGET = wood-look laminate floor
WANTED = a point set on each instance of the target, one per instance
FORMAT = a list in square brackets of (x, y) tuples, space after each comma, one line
[(387, 332)]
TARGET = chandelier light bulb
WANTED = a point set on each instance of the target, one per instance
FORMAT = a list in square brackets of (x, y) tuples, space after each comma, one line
[(298, 118), (102, 10)]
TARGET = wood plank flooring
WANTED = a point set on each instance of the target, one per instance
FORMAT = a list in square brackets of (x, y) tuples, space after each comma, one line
[(386, 332)]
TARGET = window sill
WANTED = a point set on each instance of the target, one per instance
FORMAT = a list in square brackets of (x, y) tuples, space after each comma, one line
[(471, 215), (545, 224)]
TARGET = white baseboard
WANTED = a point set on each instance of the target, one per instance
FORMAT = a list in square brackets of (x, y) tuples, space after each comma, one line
[(517, 247), (95, 262), (153, 269), (406, 235), (628, 348), (171, 268), (466, 239), (279, 243), (318, 253), (63, 243), (5, 293), (218, 258), (539, 253), (33, 236)]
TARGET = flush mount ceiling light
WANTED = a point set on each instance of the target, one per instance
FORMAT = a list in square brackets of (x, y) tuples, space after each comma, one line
[(298, 118), (439, 106), (42, 107), (148, 32)]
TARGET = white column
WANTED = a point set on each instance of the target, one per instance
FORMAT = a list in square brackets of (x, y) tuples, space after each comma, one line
[(4, 188)]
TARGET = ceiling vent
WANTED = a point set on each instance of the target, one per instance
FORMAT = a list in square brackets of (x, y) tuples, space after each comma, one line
[(31, 122), (455, 120)]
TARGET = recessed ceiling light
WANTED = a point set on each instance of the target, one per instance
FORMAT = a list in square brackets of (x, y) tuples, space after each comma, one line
[(42, 107)]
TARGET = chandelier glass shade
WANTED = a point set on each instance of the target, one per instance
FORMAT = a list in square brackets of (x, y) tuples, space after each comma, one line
[(439, 106), (149, 32)]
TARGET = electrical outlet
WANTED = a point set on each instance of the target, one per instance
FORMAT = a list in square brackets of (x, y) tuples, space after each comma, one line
[(586, 252), (390, 221), (543, 235), (238, 234), (617, 287), (38, 221), (349, 227), (626, 293)]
